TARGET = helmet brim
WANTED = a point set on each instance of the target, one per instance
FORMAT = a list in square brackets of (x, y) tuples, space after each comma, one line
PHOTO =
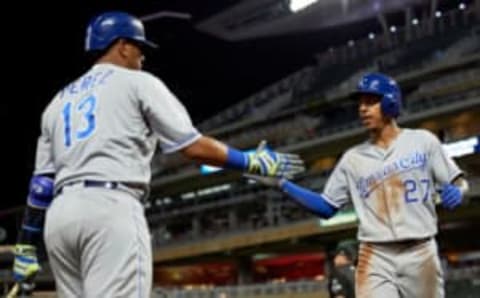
[(357, 94), (143, 43), (149, 44)]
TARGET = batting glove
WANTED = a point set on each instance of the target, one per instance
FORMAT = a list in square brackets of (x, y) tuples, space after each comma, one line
[(266, 181), (25, 266), (451, 196), (266, 162)]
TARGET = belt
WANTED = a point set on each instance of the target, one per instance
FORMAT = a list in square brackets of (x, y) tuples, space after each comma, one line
[(409, 242), (90, 183), (406, 242)]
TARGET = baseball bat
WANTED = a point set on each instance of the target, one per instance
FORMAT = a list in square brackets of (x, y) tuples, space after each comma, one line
[(14, 291)]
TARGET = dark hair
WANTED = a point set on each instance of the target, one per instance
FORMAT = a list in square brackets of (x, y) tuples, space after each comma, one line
[(348, 248)]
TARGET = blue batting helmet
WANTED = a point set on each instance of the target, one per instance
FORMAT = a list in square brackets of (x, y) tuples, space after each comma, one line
[(106, 28), (384, 86)]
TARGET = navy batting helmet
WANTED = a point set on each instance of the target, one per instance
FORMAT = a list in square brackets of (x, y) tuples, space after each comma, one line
[(384, 86), (106, 28)]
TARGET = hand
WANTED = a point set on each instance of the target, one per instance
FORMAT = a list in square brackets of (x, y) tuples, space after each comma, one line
[(266, 162), (451, 196), (25, 265), (267, 181)]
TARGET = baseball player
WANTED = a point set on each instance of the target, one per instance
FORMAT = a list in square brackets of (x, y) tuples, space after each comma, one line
[(341, 281), (391, 179), (98, 136)]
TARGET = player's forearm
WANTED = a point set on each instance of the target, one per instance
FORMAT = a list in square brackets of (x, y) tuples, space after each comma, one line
[(32, 226), (314, 202), (207, 150), (213, 152), (264, 162), (39, 198)]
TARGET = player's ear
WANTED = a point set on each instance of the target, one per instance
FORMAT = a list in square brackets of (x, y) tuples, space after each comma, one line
[(127, 47), (122, 46)]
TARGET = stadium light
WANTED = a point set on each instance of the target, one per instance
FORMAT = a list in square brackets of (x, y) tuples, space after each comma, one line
[(462, 147), (166, 14), (371, 35), (296, 5), (207, 169), (462, 6), (415, 22), (438, 14), (341, 217)]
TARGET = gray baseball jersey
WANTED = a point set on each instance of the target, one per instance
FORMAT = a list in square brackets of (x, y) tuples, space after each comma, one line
[(105, 126), (392, 190)]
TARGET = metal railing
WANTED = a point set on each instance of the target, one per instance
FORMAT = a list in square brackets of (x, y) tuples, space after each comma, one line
[(292, 289)]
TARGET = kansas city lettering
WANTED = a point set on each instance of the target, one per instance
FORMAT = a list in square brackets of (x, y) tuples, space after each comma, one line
[(413, 161)]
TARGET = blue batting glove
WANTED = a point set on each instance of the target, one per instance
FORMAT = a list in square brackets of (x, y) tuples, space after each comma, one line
[(266, 162), (25, 265), (451, 196)]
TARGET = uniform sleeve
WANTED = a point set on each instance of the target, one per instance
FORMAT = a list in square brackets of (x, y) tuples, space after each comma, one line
[(43, 156), (167, 117), (336, 190), (443, 167)]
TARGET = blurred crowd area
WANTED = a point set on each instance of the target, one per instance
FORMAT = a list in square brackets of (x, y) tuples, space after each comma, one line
[(311, 113)]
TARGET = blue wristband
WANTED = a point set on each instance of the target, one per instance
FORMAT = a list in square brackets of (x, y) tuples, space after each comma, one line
[(314, 202), (236, 159)]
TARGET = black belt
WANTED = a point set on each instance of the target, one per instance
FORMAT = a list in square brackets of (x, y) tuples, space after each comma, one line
[(409, 242), (406, 242), (91, 183)]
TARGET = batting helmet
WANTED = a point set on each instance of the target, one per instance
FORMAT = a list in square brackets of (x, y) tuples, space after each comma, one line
[(384, 86), (106, 28)]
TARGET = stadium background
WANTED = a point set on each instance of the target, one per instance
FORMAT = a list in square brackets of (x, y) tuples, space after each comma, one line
[(216, 234)]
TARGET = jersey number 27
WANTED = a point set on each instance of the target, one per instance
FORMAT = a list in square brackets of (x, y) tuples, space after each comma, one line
[(412, 189), (83, 130)]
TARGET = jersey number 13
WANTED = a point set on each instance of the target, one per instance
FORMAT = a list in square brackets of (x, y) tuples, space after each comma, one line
[(85, 127)]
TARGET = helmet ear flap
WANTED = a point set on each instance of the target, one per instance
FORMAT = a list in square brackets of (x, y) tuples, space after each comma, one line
[(391, 104)]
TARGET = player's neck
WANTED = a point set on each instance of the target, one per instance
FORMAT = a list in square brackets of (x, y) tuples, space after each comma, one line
[(112, 59), (385, 135)]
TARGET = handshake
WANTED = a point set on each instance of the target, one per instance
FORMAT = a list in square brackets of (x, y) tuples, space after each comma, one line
[(270, 167), (265, 162)]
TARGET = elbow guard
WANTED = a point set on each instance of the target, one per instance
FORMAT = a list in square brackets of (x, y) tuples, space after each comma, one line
[(40, 194)]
